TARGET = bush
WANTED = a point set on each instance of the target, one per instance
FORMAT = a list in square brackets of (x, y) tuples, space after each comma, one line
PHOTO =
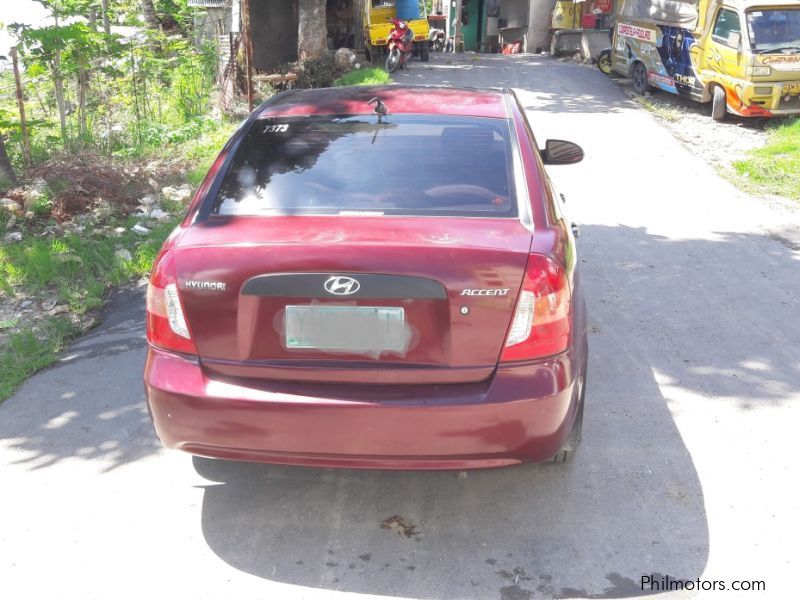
[(371, 76), (317, 72)]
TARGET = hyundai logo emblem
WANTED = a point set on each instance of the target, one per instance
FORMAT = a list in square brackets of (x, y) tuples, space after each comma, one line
[(342, 286)]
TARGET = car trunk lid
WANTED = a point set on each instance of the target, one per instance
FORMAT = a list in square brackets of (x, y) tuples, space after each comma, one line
[(268, 297)]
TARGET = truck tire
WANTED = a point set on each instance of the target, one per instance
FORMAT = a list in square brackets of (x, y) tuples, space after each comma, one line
[(719, 104), (639, 77), (424, 51), (374, 54)]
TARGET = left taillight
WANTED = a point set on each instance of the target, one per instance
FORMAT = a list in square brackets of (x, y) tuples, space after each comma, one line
[(542, 319), (166, 322)]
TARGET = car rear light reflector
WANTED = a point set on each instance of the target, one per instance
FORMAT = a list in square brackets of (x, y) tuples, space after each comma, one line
[(542, 319), (174, 311), (523, 319), (166, 323)]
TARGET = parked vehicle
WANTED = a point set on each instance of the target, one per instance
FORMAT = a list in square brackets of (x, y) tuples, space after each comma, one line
[(743, 56), (395, 290), (604, 61), (377, 26), (401, 45), (436, 40)]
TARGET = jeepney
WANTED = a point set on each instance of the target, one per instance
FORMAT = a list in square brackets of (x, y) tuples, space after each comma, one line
[(742, 56)]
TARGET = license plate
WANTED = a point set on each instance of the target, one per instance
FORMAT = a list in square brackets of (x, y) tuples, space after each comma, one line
[(790, 89), (358, 329)]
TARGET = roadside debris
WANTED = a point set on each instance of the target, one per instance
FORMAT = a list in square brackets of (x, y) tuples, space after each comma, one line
[(401, 527), (123, 254)]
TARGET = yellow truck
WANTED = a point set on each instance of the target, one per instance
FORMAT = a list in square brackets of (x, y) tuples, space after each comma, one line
[(742, 56), (376, 28)]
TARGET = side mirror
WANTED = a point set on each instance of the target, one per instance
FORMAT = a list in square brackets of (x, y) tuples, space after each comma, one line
[(561, 152), (735, 39)]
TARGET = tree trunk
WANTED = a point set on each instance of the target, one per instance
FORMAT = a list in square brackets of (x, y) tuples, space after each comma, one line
[(58, 80), (83, 76), (311, 30), (104, 15), (149, 13), (7, 176)]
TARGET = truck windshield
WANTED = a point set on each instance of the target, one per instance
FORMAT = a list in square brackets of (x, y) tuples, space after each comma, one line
[(774, 30), (409, 165)]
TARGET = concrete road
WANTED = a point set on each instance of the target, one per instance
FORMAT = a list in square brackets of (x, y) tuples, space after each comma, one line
[(688, 466)]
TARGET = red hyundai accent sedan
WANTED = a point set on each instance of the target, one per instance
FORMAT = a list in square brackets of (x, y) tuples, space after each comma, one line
[(350, 289)]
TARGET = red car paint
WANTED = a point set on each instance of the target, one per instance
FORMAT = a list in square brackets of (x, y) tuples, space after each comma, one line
[(456, 399)]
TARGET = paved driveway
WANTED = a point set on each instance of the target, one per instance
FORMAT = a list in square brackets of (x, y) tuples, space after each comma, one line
[(687, 468)]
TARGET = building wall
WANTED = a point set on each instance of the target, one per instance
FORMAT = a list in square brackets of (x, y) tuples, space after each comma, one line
[(514, 20), (274, 29), (539, 26)]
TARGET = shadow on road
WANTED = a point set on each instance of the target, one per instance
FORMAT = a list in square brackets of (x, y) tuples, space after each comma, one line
[(631, 504), (537, 74), (90, 404)]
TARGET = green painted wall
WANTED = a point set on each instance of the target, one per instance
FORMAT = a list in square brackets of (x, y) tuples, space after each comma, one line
[(477, 18)]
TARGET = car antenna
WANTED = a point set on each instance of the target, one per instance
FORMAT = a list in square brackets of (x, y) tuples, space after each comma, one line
[(380, 108)]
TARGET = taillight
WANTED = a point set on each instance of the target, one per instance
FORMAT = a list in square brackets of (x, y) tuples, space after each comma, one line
[(541, 324), (166, 322)]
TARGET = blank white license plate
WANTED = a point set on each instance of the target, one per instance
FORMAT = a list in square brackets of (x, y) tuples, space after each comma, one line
[(358, 329)]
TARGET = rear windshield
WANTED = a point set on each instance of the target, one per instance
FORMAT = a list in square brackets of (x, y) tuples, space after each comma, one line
[(407, 165)]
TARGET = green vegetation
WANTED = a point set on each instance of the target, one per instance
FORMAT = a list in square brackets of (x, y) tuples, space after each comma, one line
[(109, 121), (775, 168), (28, 351), (662, 111), (78, 269), (370, 76)]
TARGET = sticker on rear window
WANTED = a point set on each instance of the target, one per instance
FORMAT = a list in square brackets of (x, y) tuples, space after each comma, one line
[(282, 128)]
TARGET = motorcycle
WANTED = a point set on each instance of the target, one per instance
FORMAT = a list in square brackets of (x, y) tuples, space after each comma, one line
[(436, 39), (401, 45)]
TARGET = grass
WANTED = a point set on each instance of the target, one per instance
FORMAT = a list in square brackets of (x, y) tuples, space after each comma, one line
[(667, 113), (775, 168), (27, 351), (369, 76), (79, 269)]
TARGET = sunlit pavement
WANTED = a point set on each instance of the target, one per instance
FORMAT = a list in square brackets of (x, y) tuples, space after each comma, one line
[(687, 469)]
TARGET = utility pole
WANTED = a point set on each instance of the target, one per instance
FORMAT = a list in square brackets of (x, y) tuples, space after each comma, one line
[(248, 52), (26, 142), (457, 26)]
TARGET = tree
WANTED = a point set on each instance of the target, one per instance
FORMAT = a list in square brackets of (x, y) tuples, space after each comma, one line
[(311, 41), (7, 176), (104, 16), (149, 14)]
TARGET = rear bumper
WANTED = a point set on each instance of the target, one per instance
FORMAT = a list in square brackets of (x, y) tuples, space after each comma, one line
[(522, 414)]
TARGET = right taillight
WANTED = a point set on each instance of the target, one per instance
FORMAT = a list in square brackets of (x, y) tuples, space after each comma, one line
[(541, 323), (166, 322)]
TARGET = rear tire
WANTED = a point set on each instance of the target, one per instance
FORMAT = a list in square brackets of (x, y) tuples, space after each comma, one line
[(374, 54), (719, 104), (574, 438), (639, 77), (604, 62), (424, 52)]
